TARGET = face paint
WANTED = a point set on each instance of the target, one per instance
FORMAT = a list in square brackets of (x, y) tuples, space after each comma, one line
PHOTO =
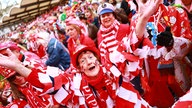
[(88, 64)]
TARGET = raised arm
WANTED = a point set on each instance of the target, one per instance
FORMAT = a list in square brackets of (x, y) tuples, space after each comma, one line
[(145, 10), (10, 61)]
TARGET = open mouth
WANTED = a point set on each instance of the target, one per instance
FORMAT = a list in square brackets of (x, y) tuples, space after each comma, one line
[(91, 68), (107, 21)]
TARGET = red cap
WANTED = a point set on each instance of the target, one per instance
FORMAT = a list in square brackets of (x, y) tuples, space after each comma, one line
[(6, 73), (81, 48)]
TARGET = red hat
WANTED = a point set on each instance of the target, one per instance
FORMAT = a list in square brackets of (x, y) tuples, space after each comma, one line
[(6, 73), (9, 44), (81, 48)]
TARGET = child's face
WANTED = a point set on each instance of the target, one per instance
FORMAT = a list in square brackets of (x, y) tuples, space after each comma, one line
[(88, 64)]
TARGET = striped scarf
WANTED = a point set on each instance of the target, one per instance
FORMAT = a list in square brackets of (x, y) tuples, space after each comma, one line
[(99, 92), (109, 42)]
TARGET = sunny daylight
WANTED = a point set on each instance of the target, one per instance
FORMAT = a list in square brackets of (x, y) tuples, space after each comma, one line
[(95, 53)]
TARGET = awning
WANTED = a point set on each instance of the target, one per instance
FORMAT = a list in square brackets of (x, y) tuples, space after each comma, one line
[(26, 10)]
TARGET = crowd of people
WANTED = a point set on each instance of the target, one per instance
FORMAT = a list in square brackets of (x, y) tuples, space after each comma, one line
[(100, 54)]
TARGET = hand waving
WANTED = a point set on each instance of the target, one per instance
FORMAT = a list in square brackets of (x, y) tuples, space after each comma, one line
[(9, 60), (148, 8)]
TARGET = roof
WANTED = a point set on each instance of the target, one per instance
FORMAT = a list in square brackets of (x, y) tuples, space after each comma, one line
[(26, 10)]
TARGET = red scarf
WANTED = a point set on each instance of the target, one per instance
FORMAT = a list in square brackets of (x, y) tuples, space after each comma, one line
[(97, 91), (109, 36), (32, 97)]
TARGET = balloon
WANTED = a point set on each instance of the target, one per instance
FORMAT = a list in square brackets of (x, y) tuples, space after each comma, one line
[(63, 17)]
